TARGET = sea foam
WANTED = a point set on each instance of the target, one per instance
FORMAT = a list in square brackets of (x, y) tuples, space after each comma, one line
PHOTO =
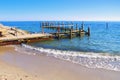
[(88, 59)]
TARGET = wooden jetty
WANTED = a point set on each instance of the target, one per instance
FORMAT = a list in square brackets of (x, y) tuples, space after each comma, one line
[(25, 39), (11, 36), (66, 32)]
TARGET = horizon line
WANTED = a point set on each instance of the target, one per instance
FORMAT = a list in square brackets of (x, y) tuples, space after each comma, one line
[(63, 20)]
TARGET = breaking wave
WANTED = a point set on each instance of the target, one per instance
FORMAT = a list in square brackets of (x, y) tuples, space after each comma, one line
[(88, 59)]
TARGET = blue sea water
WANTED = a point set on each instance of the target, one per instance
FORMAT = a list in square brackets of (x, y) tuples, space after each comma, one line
[(102, 40), (100, 50)]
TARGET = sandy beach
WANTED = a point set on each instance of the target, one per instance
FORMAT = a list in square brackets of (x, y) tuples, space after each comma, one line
[(11, 72), (22, 65)]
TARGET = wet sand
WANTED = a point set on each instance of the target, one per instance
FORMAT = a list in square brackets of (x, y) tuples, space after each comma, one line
[(4, 49), (49, 68)]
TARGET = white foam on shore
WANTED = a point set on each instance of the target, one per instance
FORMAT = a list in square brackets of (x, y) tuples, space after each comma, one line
[(88, 59)]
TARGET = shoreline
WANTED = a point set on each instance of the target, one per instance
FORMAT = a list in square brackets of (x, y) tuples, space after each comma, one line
[(50, 68), (88, 59)]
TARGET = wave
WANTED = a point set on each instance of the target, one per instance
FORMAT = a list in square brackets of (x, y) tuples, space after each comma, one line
[(88, 59)]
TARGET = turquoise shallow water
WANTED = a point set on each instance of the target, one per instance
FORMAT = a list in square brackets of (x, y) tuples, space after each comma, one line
[(100, 50)]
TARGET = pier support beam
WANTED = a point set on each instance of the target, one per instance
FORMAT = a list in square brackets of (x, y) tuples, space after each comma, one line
[(76, 26), (88, 31), (80, 32), (58, 29), (82, 26), (62, 26), (65, 29), (71, 33), (42, 29)]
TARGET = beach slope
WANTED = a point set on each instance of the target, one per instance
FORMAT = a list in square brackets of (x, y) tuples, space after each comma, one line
[(25, 64)]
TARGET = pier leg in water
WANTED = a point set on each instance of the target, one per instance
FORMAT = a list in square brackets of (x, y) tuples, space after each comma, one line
[(82, 26), (71, 33), (88, 31), (76, 26), (58, 30), (62, 26), (65, 29), (80, 32), (42, 29)]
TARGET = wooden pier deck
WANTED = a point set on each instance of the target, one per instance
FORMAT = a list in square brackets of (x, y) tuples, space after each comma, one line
[(69, 34), (65, 30), (25, 39), (16, 36), (28, 36)]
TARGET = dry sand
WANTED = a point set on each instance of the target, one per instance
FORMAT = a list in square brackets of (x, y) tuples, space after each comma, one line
[(30, 67), (10, 72)]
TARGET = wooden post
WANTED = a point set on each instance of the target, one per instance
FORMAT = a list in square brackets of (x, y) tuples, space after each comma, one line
[(62, 26), (80, 32), (42, 27), (71, 33), (58, 30), (72, 25), (65, 29), (76, 27), (0, 34), (82, 26), (88, 31)]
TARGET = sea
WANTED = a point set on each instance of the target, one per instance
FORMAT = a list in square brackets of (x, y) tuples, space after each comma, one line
[(99, 50)]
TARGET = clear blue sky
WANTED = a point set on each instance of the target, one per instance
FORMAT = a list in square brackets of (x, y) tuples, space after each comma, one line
[(90, 10)]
